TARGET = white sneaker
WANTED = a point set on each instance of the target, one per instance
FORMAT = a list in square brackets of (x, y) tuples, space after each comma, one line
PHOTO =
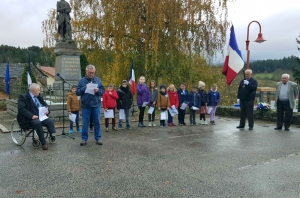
[(153, 124), (150, 124), (201, 122), (205, 123)]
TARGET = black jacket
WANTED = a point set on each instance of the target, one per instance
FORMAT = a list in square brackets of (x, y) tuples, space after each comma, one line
[(125, 98), (203, 96), (27, 109), (247, 92)]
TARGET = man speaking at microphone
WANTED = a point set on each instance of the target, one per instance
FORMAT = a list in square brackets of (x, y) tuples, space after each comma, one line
[(90, 103), (246, 96)]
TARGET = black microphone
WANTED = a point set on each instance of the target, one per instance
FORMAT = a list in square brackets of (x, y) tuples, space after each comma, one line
[(57, 74)]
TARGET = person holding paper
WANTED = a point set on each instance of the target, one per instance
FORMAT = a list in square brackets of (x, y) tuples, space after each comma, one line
[(153, 99), (90, 104), (174, 102), (143, 96), (73, 106), (110, 103), (28, 111), (203, 108), (163, 103), (194, 101), (183, 97), (124, 102), (213, 101)]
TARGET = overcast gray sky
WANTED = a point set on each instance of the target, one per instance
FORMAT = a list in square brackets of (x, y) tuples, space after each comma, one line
[(21, 20)]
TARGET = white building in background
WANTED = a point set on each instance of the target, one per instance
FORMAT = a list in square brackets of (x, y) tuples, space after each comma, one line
[(50, 72)]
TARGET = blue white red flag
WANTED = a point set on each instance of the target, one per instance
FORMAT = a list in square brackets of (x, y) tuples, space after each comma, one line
[(132, 80), (234, 60)]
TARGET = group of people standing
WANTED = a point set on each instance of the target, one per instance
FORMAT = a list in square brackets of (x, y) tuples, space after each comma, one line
[(164, 99), (169, 99), (86, 97), (286, 94)]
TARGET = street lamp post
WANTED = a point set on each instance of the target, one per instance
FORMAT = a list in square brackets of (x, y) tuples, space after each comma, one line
[(259, 39)]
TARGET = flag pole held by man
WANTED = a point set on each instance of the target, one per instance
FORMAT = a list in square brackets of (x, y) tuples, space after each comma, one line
[(234, 60)]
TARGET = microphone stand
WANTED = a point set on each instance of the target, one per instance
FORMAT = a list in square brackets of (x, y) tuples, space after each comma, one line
[(63, 88)]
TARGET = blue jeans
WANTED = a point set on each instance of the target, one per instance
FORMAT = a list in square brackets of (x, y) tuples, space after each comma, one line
[(76, 121), (126, 117), (87, 113), (170, 118)]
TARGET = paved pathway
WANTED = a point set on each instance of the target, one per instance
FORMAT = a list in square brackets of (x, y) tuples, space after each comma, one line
[(192, 161)]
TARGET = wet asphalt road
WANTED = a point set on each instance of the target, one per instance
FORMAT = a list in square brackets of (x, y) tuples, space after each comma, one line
[(191, 161)]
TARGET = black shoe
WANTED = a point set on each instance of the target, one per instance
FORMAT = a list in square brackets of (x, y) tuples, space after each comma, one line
[(240, 127), (99, 142), (184, 124), (45, 147), (143, 124), (287, 129), (250, 128), (52, 138), (277, 128)]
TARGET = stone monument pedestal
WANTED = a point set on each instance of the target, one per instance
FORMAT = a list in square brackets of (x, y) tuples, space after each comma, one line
[(67, 65)]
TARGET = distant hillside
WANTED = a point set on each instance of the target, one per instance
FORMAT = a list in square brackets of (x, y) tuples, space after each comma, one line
[(270, 65), (20, 55)]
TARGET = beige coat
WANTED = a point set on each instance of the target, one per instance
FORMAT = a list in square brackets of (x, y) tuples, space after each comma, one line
[(293, 92)]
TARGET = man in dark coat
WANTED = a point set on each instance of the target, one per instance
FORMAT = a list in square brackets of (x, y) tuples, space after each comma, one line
[(28, 114), (246, 96)]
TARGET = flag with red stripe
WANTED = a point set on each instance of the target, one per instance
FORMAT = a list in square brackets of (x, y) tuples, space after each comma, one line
[(132, 80), (234, 60)]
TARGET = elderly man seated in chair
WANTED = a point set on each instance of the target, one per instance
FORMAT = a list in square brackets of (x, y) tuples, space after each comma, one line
[(28, 114)]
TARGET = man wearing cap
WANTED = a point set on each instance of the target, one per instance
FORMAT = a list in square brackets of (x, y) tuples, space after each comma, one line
[(246, 96), (286, 93)]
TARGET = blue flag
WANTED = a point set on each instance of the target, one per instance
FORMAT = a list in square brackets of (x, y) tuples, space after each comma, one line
[(7, 79)]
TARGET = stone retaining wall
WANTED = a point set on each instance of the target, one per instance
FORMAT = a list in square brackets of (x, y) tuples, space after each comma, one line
[(56, 112), (269, 115)]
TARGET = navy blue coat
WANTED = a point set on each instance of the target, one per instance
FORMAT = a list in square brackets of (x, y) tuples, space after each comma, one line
[(213, 98), (194, 99), (183, 96), (247, 92)]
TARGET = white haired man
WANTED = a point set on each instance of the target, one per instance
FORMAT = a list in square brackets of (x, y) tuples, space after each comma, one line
[(28, 111), (286, 93), (90, 104), (246, 96)]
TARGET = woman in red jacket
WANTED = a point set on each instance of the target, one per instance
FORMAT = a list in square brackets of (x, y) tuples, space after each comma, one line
[(110, 102), (173, 96)]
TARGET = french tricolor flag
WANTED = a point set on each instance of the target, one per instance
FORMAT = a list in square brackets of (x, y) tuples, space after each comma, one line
[(132, 80), (234, 60)]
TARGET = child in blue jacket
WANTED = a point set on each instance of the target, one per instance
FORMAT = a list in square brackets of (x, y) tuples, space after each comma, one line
[(194, 101), (213, 101)]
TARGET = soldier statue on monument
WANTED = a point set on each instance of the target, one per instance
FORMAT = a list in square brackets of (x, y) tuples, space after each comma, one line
[(64, 25)]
